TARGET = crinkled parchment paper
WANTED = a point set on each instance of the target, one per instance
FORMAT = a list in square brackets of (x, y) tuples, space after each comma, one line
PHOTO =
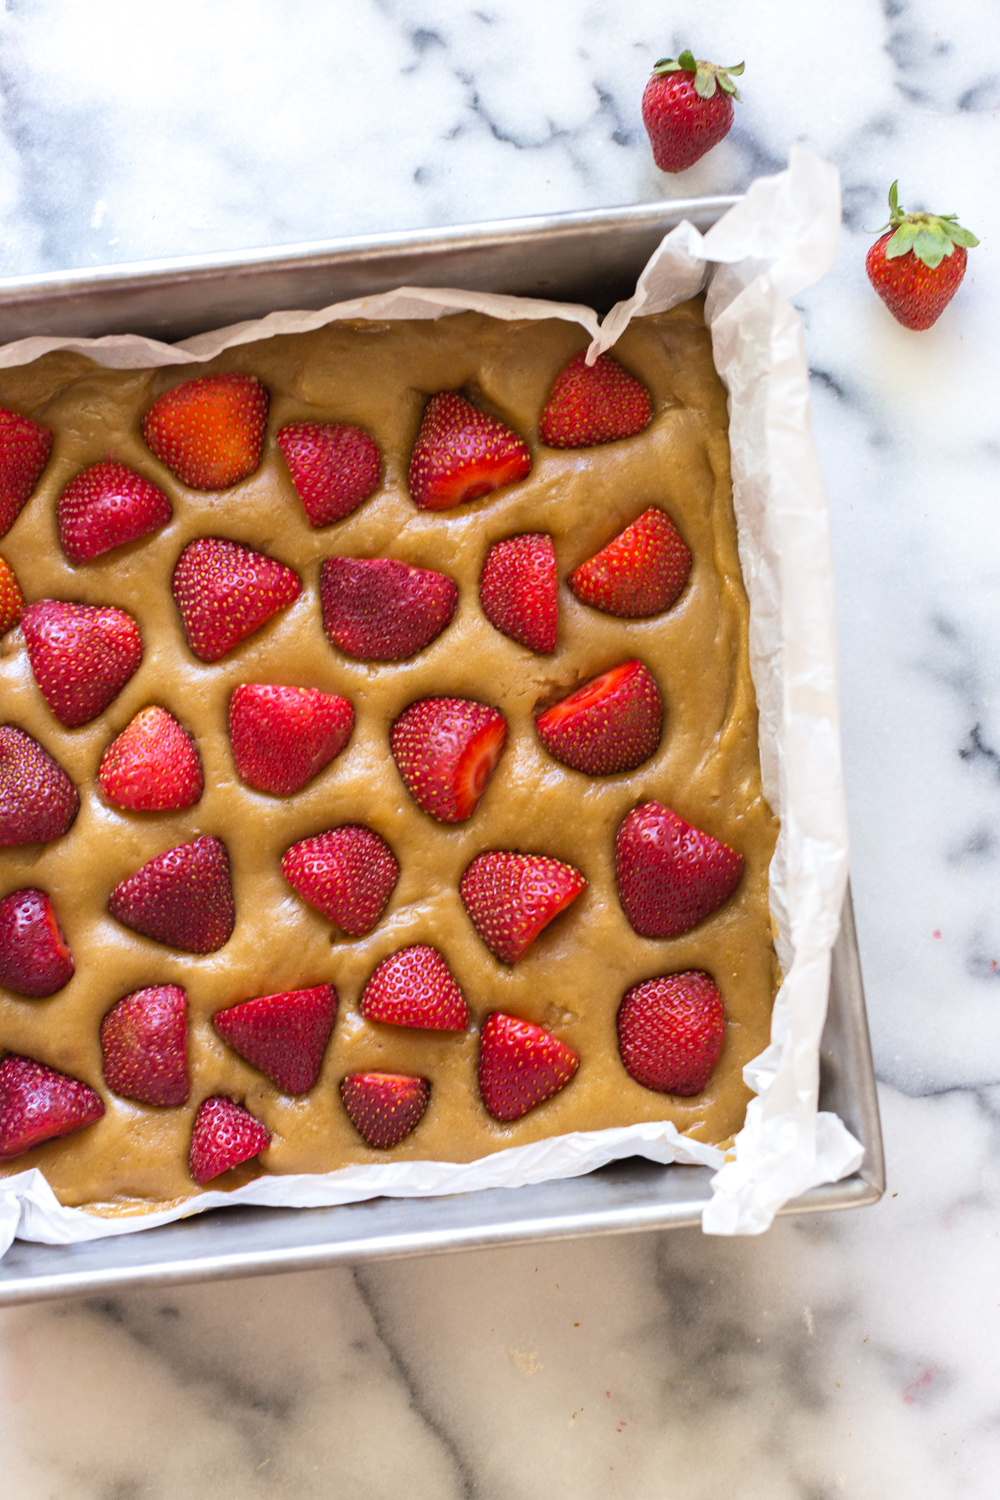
[(778, 240)]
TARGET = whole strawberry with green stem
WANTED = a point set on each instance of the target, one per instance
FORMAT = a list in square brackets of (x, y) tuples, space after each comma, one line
[(687, 108), (918, 265)]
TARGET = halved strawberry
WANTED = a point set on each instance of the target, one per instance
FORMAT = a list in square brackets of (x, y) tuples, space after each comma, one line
[(379, 609), (348, 874), (11, 598), (144, 1042), (611, 724), (670, 874), (38, 802), (34, 957), (384, 1107), (82, 655), (226, 591), (24, 452), (670, 1032), (462, 453), (284, 1035), (446, 750), (518, 589), (38, 1104), (209, 431), (106, 506), (283, 736), (638, 574), (224, 1135), (152, 766), (183, 897), (415, 987), (512, 897), (592, 405), (520, 1065), (334, 467)]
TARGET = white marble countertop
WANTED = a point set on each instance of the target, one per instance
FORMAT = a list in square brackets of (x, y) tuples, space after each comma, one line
[(854, 1355)]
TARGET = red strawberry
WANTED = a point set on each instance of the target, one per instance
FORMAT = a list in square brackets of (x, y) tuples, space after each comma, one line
[(512, 897), (24, 452), (225, 592), (210, 431), (11, 598), (283, 1035), (415, 987), (152, 766), (183, 898), (106, 506), (334, 467), (37, 1104), (518, 590), (638, 574), (918, 266), (82, 655), (224, 1135), (670, 875), (687, 109), (283, 736), (592, 405), (670, 1032), (384, 1107), (611, 724), (348, 874), (446, 750), (34, 958), (38, 802), (461, 453), (378, 609), (144, 1041), (520, 1065)]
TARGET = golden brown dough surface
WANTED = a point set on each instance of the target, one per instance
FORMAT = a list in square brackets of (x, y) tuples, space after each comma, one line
[(574, 975)]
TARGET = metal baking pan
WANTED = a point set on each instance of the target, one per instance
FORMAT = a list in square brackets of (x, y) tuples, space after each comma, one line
[(593, 257)]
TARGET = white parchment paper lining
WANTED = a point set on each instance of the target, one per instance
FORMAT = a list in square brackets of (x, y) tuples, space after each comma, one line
[(778, 240)]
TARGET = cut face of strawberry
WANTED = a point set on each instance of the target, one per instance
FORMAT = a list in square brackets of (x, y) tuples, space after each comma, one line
[(379, 609), (462, 453), (224, 1135), (34, 957), (106, 506), (446, 750), (671, 875), (209, 431), (384, 1107), (519, 590), (38, 1104), (82, 655), (144, 1042), (11, 598), (512, 897), (334, 467), (348, 874), (284, 1035), (183, 898), (640, 573), (415, 987), (520, 1065), (670, 1032), (152, 766), (38, 802), (612, 724), (24, 452), (283, 736), (225, 592), (599, 404)]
